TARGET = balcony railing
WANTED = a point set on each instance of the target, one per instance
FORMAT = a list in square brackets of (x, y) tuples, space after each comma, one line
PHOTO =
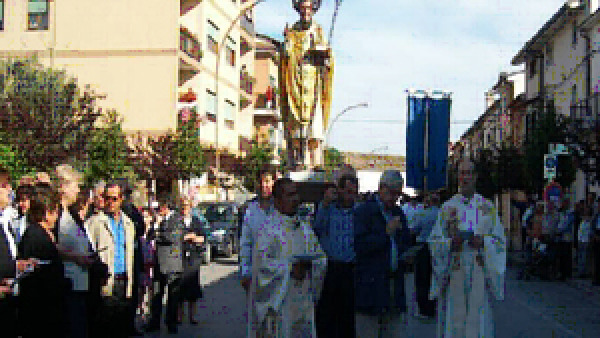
[(190, 45), (247, 24), (585, 114), (264, 102), (246, 82)]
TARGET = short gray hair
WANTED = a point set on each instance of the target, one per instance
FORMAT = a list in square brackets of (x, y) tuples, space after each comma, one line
[(101, 185), (392, 179)]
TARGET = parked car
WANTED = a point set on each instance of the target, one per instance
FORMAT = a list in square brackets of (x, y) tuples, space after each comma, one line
[(222, 218)]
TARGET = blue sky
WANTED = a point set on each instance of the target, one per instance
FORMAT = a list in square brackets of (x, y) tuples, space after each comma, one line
[(383, 47)]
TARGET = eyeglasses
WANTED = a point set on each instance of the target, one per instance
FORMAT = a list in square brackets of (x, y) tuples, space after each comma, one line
[(111, 198)]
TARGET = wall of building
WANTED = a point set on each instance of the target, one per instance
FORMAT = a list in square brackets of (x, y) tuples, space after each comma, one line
[(567, 67), (595, 42), (126, 50)]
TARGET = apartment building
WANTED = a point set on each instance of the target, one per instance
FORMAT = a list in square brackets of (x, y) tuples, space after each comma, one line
[(555, 63), (268, 123), (562, 69), (127, 50), (150, 58)]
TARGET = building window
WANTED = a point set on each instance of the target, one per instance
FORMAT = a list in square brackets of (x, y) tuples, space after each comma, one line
[(532, 67), (575, 33), (574, 95), (211, 104), (549, 55), (37, 15), (229, 111), (230, 49), (1, 15), (213, 37)]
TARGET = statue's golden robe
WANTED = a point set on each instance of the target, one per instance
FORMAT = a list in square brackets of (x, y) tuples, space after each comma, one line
[(305, 86)]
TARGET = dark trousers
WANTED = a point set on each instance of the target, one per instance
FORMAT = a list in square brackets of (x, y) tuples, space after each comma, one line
[(523, 238), (596, 261), (77, 314), (423, 271), (94, 303), (335, 309), (137, 267), (565, 258), (173, 281), (112, 317), (8, 317)]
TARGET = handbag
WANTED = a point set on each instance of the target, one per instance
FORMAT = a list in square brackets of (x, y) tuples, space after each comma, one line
[(98, 274)]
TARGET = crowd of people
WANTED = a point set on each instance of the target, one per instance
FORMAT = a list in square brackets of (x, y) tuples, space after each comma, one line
[(342, 272), (84, 262), (562, 241)]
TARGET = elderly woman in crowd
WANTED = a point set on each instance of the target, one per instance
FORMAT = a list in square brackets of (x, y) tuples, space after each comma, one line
[(193, 238), (42, 292), (74, 246)]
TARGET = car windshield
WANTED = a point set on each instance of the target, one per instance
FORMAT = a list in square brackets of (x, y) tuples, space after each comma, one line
[(215, 212)]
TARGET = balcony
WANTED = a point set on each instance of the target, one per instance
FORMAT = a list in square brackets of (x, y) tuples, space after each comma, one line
[(246, 81), (266, 101), (189, 44)]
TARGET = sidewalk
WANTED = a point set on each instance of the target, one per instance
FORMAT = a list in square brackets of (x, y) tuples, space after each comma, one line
[(515, 259)]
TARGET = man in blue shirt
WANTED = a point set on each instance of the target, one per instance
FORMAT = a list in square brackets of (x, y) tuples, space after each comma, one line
[(334, 225), (424, 222)]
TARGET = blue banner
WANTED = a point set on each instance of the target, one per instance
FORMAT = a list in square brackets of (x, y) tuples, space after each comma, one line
[(438, 134), (415, 142)]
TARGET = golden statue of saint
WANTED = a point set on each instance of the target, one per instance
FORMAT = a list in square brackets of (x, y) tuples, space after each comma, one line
[(306, 74)]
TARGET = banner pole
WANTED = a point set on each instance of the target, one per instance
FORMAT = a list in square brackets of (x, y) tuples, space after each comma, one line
[(426, 143)]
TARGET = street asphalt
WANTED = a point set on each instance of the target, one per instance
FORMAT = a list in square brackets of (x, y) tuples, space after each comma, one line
[(530, 308)]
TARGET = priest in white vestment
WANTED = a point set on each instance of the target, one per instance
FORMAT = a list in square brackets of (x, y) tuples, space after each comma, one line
[(468, 248), (288, 271)]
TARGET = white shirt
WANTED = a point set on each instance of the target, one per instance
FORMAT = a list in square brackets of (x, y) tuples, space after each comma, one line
[(253, 218), (75, 240), (187, 221), (8, 215)]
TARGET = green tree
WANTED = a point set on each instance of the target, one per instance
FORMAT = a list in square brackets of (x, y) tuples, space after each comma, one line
[(332, 157), (172, 156), (258, 158), (548, 128), (108, 152), (45, 116), (12, 160), (188, 152), (486, 173), (509, 168)]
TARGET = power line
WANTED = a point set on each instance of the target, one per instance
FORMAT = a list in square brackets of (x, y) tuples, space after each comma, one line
[(402, 121)]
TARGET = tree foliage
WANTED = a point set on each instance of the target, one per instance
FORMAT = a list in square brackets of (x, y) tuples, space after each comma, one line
[(45, 117), (548, 128), (332, 157), (258, 158), (172, 156), (499, 170), (12, 160), (108, 154)]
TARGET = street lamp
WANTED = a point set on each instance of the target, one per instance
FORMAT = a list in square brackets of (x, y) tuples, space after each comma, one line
[(344, 111), (243, 10)]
